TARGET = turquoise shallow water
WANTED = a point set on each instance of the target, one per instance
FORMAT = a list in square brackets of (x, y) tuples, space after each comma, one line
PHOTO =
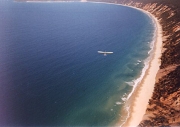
[(50, 71)]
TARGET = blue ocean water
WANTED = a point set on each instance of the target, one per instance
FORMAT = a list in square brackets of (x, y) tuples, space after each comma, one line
[(50, 71)]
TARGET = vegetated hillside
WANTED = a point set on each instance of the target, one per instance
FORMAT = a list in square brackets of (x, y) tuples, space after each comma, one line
[(172, 2)]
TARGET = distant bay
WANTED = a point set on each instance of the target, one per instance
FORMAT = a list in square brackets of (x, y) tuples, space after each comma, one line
[(50, 71)]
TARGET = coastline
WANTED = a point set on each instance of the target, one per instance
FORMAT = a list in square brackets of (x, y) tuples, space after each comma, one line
[(143, 92), (153, 7), (144, 89)]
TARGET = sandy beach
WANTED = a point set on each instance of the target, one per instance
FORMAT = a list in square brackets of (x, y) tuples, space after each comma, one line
[(145, 89)]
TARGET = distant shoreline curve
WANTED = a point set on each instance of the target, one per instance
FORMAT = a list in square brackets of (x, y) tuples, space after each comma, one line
[(156, 64), (140, 95)]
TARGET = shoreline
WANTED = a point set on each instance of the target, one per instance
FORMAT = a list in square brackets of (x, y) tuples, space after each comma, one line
[(144, 90)]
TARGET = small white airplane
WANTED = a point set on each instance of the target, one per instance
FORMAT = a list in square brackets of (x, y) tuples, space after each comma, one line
[(105, 53)]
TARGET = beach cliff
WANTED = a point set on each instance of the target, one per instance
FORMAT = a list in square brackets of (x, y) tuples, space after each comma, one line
[(163, 108)]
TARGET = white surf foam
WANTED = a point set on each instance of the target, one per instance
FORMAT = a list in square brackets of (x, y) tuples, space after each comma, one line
[(130, 83), (119, 103)]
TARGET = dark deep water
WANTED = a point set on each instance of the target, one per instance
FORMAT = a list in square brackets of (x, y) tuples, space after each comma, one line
[(50, 71)]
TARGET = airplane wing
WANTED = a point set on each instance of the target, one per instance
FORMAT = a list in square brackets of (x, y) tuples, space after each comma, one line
[(101, 52), (108, 52), (105, 52)]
